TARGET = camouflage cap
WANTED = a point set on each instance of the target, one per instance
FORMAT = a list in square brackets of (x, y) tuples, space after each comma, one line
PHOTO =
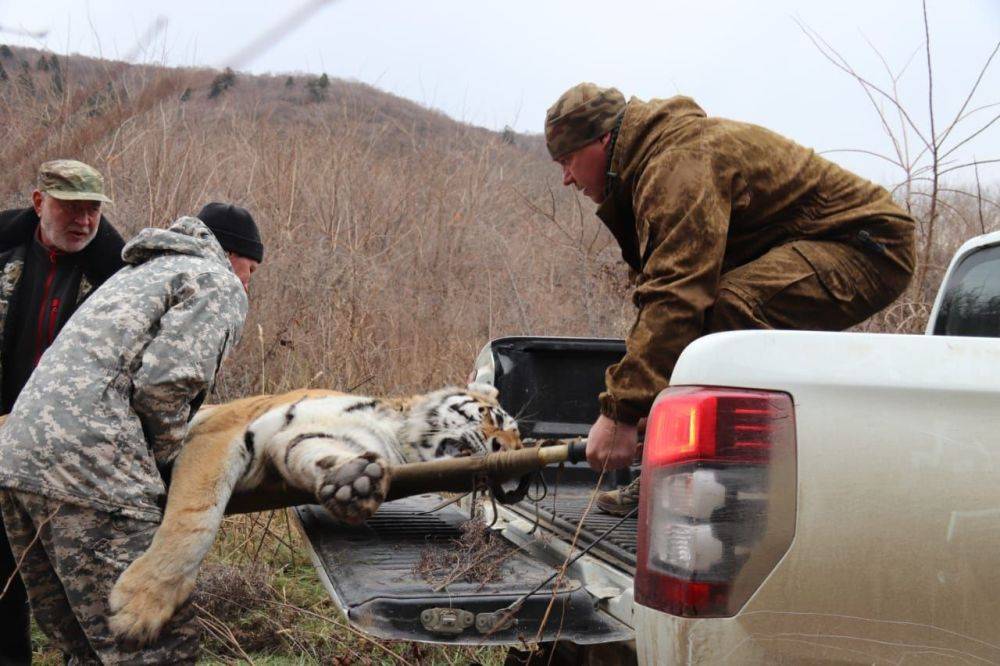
[(71, 180), (582, 114)]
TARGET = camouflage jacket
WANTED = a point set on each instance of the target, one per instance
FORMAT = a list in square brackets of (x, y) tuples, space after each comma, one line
[(690, 198), (111, 398), (97, 262)]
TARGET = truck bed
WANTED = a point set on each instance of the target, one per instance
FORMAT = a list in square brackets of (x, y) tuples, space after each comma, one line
[(551, 385), (561, 513), (373, 571)]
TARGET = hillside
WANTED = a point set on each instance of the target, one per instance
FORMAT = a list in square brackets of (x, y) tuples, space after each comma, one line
[(397, 240)]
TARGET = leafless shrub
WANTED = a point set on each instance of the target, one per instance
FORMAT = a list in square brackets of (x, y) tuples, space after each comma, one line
[(926, 154)]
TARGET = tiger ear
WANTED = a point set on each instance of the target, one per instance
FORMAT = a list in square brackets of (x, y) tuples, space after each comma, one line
[(483, 388)]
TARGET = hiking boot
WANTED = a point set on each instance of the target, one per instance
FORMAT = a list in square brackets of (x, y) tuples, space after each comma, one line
[(620, 501)]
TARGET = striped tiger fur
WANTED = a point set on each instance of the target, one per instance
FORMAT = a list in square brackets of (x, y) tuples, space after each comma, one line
[(337, 447)]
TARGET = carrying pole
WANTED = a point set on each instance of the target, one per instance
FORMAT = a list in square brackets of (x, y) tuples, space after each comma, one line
[(458, 475)]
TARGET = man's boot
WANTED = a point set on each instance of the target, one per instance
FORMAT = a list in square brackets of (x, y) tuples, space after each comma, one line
[(620, 501)]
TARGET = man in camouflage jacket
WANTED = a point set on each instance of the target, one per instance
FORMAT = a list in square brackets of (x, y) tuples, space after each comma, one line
[(52, 255), (727, 226), (104, 411)]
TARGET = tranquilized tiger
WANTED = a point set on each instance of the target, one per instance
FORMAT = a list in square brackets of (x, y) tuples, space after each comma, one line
[(336, 447)]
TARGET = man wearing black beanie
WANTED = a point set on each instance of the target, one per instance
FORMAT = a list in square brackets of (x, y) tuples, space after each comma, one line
[(92, 469), (237, 233)]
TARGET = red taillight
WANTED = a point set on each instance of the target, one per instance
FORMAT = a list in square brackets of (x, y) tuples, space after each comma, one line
[(690, 599), (735, 426), (717, 499)]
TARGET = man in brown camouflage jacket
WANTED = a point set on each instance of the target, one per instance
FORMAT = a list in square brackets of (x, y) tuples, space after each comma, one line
[(727, 226), (107, 409)]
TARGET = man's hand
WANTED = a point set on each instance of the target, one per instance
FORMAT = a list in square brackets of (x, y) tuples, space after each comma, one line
[(611, 440)]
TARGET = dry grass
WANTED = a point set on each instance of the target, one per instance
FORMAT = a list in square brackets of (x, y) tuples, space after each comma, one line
[(475, 557), (397, 243), (397, 240)]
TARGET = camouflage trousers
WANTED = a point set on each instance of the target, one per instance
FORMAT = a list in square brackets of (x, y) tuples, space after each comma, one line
[(15, 617), (810, 285), (70, 558)]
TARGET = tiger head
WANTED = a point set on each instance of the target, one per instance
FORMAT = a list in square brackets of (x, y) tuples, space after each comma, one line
[(454, 422)]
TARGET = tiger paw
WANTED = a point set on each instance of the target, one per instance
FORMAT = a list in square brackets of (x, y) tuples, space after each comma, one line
[(142, 602), (354, 490)]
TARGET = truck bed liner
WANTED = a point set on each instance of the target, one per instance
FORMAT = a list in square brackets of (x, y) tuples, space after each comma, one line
[(563, 513)]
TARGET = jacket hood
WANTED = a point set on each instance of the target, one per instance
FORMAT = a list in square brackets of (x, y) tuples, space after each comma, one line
[(645, 128), (188, 235), (673, 107), (647, 124)]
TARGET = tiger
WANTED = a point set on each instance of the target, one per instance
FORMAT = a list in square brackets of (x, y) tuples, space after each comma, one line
[(337, 449)]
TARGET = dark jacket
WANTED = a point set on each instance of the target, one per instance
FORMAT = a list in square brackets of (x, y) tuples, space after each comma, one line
[(694, 197), (79, 273)]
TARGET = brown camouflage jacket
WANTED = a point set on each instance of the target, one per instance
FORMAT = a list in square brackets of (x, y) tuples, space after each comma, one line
[(691, 197), (111, 398)]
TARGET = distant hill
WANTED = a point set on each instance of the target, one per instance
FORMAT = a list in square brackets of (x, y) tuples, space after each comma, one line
[(70, 88), (398, 241)]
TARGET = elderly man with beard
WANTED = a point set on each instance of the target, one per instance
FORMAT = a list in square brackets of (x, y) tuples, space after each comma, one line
[(52, 255)]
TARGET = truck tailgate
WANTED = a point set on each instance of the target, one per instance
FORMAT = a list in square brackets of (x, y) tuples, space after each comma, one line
[(372, 573)]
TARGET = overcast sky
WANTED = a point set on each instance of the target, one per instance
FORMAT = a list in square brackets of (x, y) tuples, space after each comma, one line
[(504, 63)]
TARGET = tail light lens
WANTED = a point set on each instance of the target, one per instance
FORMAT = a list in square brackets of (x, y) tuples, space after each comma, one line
[(717, 498)]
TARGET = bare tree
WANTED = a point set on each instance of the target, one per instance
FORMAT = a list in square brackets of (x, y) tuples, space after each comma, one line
[(924, 152)]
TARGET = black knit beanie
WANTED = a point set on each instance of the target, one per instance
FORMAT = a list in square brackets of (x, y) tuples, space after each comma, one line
[(234, 228)]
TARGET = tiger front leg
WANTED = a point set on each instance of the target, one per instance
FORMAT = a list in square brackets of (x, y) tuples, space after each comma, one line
[(150, 590)]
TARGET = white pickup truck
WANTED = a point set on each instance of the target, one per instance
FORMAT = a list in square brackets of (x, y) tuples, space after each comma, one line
[(807, 497)]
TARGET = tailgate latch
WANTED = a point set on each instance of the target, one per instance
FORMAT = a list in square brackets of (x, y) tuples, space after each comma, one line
[(487, 623), (446, 621)]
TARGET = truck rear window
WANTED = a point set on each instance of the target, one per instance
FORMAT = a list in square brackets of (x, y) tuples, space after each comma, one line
[(971, 302)]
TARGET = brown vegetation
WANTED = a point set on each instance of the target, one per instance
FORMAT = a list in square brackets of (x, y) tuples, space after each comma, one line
[(476, 557), (397, 240)]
